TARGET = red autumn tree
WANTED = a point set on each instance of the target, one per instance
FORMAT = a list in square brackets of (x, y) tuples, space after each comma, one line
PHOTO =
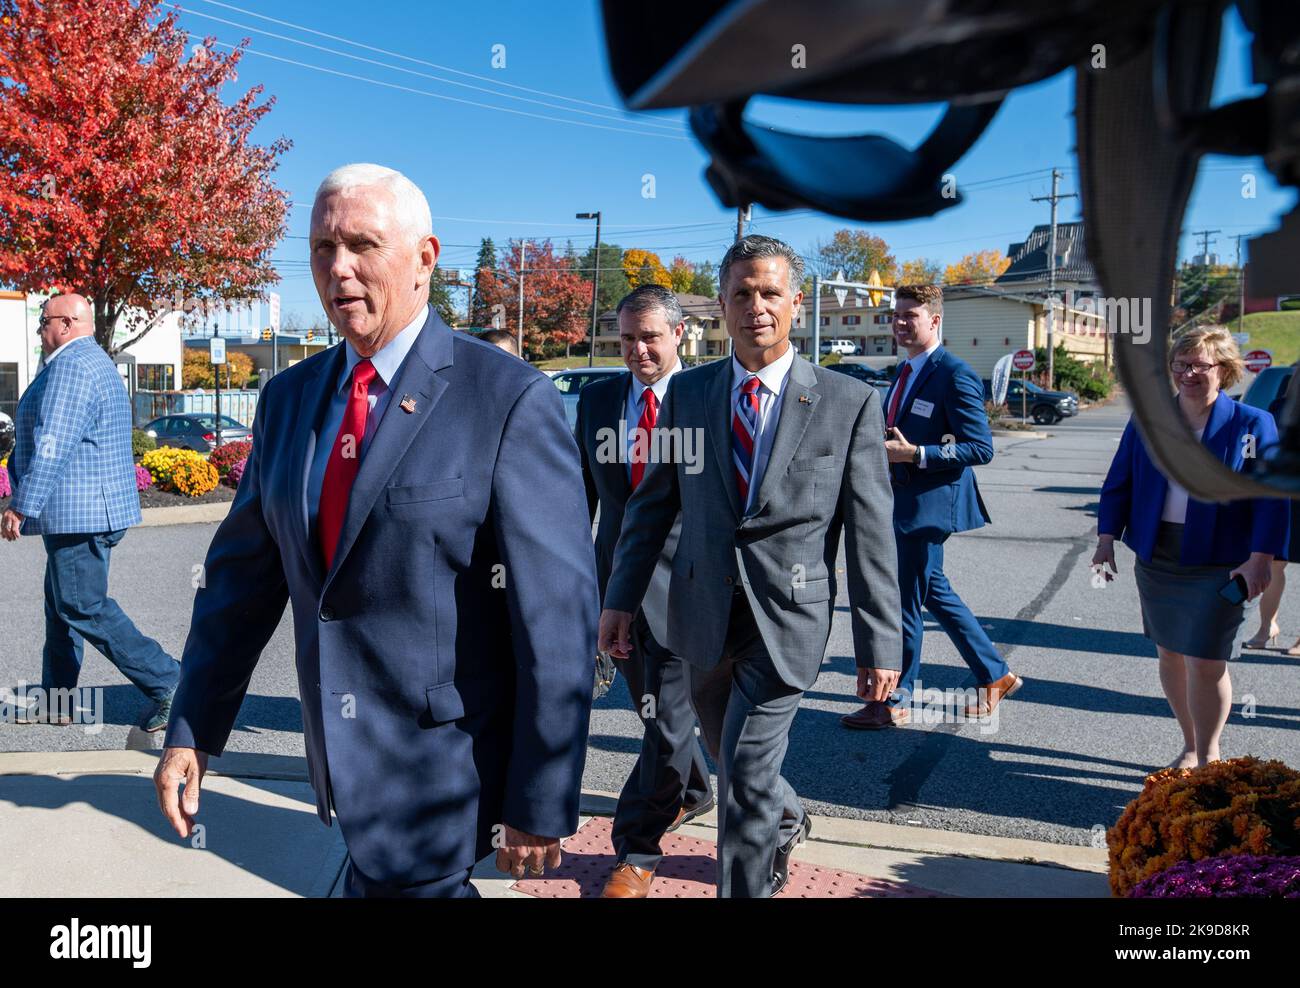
[(557, 301), (123, 175)]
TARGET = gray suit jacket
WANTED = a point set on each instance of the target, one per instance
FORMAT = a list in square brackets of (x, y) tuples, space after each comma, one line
[(827, 473), (600, 407)]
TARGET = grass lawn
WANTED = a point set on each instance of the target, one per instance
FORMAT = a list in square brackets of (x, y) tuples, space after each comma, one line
[(1276, 332), (571, 363)]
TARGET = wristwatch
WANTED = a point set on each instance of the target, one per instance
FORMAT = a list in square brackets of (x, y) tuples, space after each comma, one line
[(916, 457)]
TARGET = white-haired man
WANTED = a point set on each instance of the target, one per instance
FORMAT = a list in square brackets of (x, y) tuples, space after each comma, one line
[(417, 496)]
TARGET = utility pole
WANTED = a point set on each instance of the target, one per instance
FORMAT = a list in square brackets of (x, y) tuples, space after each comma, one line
[(1205, 244), (1241, 287), (742, 217), (523, 248), (1054, 198), (595, 286)]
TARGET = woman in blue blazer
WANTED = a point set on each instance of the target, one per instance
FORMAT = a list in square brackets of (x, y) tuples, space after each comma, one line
[(1187, 550)]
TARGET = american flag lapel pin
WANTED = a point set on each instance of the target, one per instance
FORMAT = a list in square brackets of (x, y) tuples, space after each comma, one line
[(408, 404), (805, 400)]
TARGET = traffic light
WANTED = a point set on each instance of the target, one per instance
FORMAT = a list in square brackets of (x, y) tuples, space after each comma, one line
[(310, 334), (266, 336)]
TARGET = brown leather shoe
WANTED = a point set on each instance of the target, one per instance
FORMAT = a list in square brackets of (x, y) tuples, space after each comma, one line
[(876, 715), (994, 693), (628, 882)]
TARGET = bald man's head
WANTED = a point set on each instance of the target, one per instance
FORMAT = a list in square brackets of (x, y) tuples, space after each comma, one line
[(64, 318)]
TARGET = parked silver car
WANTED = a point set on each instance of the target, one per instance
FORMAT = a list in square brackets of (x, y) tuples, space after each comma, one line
[(196, 431)]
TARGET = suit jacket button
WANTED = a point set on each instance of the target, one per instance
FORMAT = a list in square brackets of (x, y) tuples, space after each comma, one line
[(728, 581), (326, 614)]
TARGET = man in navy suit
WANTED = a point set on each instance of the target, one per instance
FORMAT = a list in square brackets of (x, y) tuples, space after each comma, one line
[(417, 497), (936, 430), (669, 785)]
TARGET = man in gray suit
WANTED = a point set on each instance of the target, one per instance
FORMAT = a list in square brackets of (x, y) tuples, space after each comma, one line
[(669, 785), (793, 455)]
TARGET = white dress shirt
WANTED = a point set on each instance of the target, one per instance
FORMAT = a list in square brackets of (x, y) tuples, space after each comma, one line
[(772, 380), (635, 405)]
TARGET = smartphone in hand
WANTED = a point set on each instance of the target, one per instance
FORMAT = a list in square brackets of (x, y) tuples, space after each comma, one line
[(1235, 590)]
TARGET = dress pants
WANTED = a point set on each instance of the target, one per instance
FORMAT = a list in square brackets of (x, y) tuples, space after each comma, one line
[(670, 772), (358, 886), (921, 583), (78, 609), (745, 712)]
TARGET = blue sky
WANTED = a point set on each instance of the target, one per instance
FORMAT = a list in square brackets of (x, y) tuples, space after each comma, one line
[(491, 172)]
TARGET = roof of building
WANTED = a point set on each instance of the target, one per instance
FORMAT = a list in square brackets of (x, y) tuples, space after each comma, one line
[(700, 306), (1029, 257)]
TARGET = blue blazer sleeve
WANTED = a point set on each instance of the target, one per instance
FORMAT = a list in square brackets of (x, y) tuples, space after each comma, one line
[(239, 602), (63, 421), (543, 535), (963, 404), (1270, 517), (1117, 490)]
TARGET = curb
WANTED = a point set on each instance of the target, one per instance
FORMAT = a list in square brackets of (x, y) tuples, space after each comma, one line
[(1011, 433), (184, 514)]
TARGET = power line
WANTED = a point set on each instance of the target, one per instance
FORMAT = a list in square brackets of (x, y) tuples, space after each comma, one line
[(408, 58), (450, 99), (674, 125)]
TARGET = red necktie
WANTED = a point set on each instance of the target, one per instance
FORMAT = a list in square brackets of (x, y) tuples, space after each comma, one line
[(345, 457), (899, 388), (641, 437), (744, 436)]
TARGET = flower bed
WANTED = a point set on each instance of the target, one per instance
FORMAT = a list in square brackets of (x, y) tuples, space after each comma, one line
[(1236, 876), (1241, 806)]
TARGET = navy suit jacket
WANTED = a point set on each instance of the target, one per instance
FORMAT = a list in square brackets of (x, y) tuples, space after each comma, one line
[(942, 498), (444, 661), (1133, 496)]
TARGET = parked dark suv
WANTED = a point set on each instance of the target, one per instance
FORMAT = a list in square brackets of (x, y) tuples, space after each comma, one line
[(1046, 407)]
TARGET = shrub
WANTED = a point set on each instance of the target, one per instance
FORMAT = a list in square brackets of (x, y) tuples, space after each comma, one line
[(235, 474), (1234, 876), (180, 470), (141, 443), (1242, 806), (143, 478), (228, 454), (1090, 381), (195, 477)]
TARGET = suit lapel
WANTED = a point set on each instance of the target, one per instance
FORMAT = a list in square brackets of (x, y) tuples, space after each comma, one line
[(609, 418), (417, 378), (317, 391), (797, 404), (717, 399), (1217, 434), (922, 376)]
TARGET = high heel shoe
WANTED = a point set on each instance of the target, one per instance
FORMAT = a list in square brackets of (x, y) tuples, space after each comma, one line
[(1294, 650), (1269, 642)]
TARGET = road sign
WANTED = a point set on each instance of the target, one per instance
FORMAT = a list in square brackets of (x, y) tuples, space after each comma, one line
[(1241, 338), (1023, 360), (840, 293), (274, 299), (1257, 360), (217, 350)]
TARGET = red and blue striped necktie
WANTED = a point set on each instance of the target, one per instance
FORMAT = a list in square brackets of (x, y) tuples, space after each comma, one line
[(744, 436)]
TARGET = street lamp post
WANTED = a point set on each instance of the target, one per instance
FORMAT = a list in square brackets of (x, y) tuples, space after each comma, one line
[(595, 285)]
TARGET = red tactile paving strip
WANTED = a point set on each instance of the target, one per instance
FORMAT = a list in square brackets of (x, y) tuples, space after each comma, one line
[(689, 869)]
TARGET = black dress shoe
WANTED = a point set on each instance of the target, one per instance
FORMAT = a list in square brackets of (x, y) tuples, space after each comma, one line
[(781, 867), (685, 816)]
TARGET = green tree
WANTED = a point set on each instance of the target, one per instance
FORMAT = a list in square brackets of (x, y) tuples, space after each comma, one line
[(440, 297), (705, 280), (1201, 288), (479, 314), (613, 281)]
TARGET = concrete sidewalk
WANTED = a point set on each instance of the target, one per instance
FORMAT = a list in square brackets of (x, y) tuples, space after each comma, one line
[(88, 824)]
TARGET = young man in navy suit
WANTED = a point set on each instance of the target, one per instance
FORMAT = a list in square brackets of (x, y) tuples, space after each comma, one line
[(936, 429)]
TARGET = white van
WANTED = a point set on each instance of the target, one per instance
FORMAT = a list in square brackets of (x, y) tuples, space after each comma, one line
[(842, 347)]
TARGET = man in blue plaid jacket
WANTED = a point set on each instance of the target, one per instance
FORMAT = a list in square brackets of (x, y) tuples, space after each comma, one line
[(73, 480)]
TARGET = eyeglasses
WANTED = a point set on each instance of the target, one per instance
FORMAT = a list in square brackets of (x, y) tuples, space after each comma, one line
[(46, 320), (1178, 367)]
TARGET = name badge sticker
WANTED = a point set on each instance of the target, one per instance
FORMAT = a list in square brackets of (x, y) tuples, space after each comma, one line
[(923, 408)]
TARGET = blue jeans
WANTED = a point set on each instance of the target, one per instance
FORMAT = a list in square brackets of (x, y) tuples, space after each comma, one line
[(78, 609)]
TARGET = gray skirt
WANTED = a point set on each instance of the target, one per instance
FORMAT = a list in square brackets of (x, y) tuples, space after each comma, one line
[(1181, 607)]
